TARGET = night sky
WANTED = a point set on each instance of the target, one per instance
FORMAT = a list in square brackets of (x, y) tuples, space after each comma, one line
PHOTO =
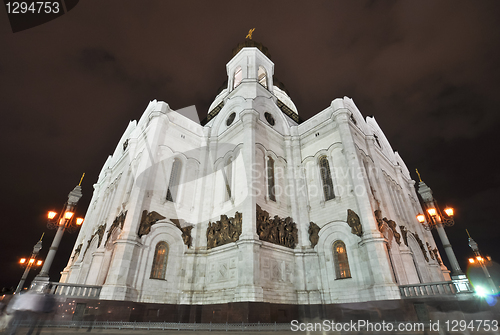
[(429, 72)]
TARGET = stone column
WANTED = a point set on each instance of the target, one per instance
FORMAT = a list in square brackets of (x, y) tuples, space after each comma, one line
[(249, 227), (249, 288), (372, 240)]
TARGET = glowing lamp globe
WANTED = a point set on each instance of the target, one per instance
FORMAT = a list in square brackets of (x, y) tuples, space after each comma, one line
[(432, 211), (449, 211)]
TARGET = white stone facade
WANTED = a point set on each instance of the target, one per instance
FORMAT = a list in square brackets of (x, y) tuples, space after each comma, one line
[(366, 173)]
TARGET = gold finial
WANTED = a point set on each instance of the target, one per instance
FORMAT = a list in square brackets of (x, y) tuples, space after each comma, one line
[(42, 237), (419, 175), (250, 32), (83, 175), (467, 233)]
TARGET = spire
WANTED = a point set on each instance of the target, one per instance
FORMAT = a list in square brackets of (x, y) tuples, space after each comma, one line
[(249, 42), (419, 176)]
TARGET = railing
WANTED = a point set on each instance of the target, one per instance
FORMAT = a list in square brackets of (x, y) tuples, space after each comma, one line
[(162, 325), (76, 290), (435, 289)]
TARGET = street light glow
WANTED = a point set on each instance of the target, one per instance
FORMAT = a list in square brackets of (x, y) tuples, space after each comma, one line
[(39, 262), (22, 261), (32, 260), (471, 260), (421, 218), (68, 215), (79, 221), (51, 215), (449, 211), (431, 211)]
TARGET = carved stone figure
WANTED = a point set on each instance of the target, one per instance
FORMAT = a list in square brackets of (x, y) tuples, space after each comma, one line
[(186, 232), (125, 144), (387, 233), (313, 233), (431, 253), (436, 254), (99, 232), (277, 230), (147, 220), (354, 222), (77, 251), (392, 225), (117, 222), (404, 232), (422, 247), (224, 231)]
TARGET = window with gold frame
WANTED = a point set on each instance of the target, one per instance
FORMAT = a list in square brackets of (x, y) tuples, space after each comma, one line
[(159, 268), (340, 259)]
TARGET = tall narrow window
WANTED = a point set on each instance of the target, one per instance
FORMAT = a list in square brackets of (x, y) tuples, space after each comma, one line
[(261, 74), (326, 178), (270, 179), (173, 184), (238, 76), (159, 268), (340, 259), (228, 175)]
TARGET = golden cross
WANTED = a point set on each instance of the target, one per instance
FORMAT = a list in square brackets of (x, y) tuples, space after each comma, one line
[(250, 32)]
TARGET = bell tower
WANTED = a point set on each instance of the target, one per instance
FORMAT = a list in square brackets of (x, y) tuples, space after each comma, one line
[(250, 64)]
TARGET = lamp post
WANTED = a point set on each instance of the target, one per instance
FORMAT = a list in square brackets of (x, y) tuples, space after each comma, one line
[(29, 263), (434, 218), (63, 221), (479, 258)]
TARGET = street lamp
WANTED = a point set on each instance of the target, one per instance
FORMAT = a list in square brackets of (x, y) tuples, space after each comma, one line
[(434, 218), (62, 221), (31, 261), (480, 259)]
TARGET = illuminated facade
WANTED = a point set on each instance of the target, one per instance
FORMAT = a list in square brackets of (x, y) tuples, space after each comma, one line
[(255, 205)]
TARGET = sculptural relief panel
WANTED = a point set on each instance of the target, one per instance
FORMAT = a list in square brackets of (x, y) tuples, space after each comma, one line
[(222, 270), (276, 270)]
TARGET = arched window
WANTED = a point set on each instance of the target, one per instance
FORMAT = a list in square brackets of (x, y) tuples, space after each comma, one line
[(238, 76), (262, 76), (270, 179), (340, 259), (326, 178), (159, 268), (228, 175), (173, 184)]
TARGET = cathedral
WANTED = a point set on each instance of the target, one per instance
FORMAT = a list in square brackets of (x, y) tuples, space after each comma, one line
[(254, 204)]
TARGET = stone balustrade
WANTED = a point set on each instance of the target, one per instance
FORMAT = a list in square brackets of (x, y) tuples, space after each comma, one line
[(76, 290), (435, 289)]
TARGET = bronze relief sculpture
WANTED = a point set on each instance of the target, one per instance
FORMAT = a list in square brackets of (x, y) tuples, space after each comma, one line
[(99, 233), (392, 225), (224, 231), (276, 230), (421, 244), (117, 222), (354, 222), (147, 220), (436, 254), (186, 232), (313, 233)]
